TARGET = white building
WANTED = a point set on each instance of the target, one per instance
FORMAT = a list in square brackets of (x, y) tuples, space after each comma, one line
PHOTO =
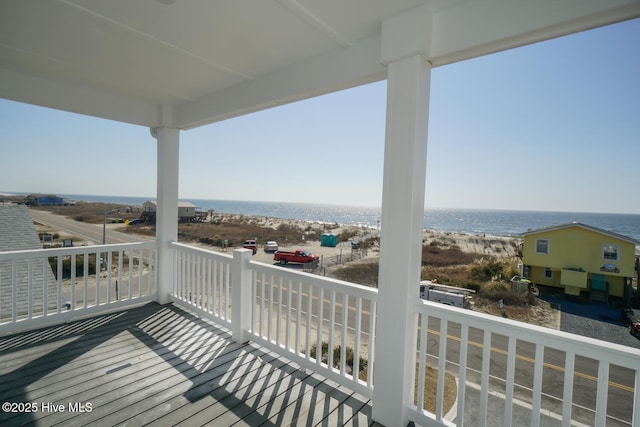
[(186, 210)]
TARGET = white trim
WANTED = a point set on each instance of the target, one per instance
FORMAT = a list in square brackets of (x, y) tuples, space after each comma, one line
[(548, 246)]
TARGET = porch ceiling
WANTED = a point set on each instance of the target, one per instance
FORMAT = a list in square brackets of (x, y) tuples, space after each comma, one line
[(186, 63)]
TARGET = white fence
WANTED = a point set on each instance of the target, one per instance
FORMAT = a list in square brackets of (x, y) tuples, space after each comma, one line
[(523, 374), (509, 373), (504, 373), (292, 313), (48, 286), (202, 280), (323, 324)]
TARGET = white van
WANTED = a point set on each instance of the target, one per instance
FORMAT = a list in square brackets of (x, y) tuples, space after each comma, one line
[(444, 294)]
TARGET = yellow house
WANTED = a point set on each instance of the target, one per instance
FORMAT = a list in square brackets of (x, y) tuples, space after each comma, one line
[(581, 259)]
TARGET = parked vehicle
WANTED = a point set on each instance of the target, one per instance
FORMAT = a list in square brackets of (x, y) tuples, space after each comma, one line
[(271, 246), (251, 244), (632, 320), (136, 221), (299, 256), (448, 295)]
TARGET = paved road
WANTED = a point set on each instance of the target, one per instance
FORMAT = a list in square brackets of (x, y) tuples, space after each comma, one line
[(91, 233)]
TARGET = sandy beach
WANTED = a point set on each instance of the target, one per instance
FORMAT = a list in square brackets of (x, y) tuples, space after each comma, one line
[(483, 245)]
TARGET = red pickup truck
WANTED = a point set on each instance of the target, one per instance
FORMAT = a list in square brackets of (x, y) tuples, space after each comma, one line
[(299, 256)]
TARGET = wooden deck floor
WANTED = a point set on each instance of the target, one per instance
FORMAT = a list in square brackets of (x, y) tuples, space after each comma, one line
[(160, 365)]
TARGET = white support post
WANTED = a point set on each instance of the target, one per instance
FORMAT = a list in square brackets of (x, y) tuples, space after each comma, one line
[(405, 158), (167, 207), (241, 299)]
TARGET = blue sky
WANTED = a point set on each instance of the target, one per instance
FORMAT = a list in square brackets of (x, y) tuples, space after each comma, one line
[(552, 126)]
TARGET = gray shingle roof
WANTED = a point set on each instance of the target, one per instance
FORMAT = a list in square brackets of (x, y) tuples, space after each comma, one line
[(17, 233), (584, 226)]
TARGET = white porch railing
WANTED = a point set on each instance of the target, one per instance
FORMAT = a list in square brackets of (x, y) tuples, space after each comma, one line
[(507, 373), (294, 313), (202, 280), (323, 324), (510, 373), (537, 375), (49, 286)]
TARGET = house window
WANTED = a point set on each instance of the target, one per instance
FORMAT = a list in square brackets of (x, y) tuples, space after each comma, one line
[(610, 252), (542, 246), (548, 273)]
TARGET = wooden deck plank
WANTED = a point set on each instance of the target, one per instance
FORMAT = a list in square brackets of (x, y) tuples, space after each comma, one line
[(161, 394), (183, 404), (301, 410), (320, 408), (133, 385), (354, 411), (161, 365), (98, 361), (67, 341), (271, 401), (110, 363), (120, 388), (95, 362), (234, 396)]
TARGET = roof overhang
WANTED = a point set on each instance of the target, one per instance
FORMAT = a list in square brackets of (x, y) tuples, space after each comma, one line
[(184, 64), (583, 227)]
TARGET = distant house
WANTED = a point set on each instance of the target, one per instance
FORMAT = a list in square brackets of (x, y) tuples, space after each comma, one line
[(186, 210), (581, 259), (44, 200), (150, 206)]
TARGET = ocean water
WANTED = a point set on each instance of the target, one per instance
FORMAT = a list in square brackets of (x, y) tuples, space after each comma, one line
[(470, 221)]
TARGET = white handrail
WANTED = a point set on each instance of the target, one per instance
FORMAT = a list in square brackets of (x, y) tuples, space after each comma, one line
[(455, 325), (290, 312), (322, 312), (43, 287)]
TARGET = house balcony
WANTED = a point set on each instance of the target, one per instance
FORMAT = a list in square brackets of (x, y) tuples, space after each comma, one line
[(84, 340)]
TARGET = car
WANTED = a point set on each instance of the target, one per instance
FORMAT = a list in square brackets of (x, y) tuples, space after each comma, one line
[(632, 320), (251, 244), (271, 246), (136, 221)]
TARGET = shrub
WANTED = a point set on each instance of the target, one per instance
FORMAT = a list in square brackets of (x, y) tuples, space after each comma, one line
[(487, 271), (495, 292), (365, 273), (337, 353), (346, 235), (66, 266), (433, 255)]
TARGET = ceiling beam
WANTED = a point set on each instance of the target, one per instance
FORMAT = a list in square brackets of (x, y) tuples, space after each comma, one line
[(75, 98), (339, 69), (459, 35)]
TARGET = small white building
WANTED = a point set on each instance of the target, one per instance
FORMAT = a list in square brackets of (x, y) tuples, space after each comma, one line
[(186, 210)]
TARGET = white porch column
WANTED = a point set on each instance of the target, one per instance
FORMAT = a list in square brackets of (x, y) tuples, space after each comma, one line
[(405, 156), (241, 303), (167, 213)]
